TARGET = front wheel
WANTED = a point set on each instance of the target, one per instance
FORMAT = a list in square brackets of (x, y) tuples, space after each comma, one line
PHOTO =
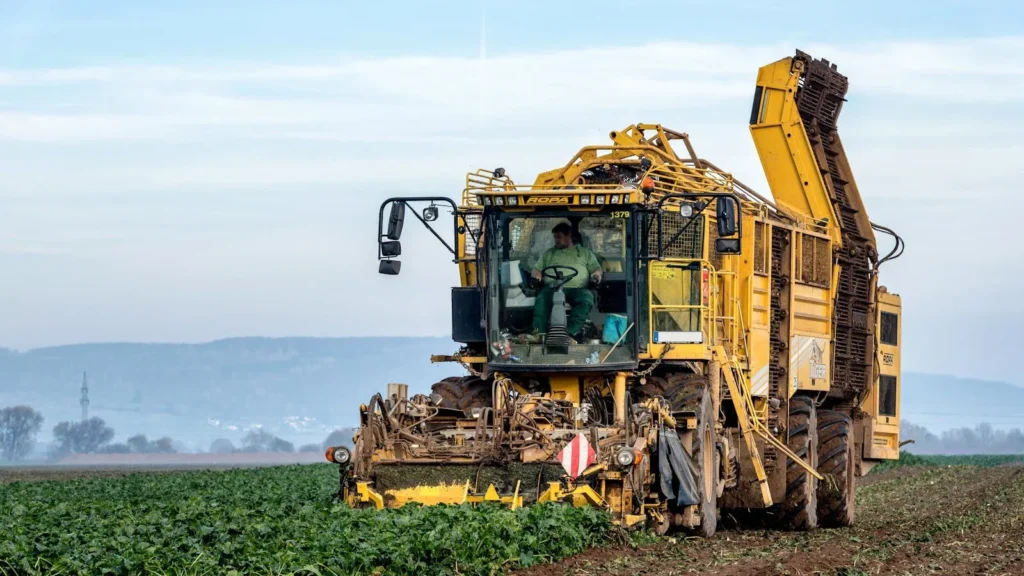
[(705, 457)]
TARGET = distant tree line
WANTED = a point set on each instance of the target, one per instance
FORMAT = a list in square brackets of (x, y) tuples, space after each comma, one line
[(982, 439), (139, 444), (20, 425), (259, 440)]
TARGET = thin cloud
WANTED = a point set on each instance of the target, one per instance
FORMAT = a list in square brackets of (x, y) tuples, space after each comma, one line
[(420, 97)]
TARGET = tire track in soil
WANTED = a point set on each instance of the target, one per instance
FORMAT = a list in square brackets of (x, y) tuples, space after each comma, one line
[(953, 520)]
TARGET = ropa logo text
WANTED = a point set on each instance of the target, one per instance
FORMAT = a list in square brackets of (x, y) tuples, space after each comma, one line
[(547, 200)]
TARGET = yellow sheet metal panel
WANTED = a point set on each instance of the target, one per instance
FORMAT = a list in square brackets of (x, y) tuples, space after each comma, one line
[(761, 299), (811, 310), (566, 387), (809, 360), (678, 352), (427, 495), (784, 149), (758, 337), (882, 403)]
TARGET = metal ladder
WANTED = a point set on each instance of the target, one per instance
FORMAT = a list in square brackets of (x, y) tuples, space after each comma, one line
[(739, 392)]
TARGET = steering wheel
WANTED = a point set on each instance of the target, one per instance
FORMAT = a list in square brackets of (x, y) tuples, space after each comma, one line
[(559, 273)]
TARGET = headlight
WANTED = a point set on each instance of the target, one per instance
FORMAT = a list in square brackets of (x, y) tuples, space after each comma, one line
[(625, 457), (512, 200), (499, 201), (585, 199), (686, 210), (487, 200), (341, 455), (599, 199), (615, 198)]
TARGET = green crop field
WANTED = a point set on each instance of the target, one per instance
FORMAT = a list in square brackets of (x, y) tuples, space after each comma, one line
[(267, 521), (285, 521), (983, 460)]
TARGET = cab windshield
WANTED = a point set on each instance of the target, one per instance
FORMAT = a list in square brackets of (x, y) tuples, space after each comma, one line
[(562, 296)]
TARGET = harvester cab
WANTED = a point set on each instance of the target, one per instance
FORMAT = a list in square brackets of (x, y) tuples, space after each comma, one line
[(642, 332), (538, 304)]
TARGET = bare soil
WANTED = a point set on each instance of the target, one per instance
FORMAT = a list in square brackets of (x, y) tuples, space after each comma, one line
[(952, 520)]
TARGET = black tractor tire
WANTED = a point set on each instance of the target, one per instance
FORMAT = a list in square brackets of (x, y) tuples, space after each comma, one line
[(682, 390), (706, 459), (799, 511), (836, 462), (464, 393)]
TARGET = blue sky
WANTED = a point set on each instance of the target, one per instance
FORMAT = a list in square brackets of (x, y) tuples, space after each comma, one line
[(42, 33), (191, 171)]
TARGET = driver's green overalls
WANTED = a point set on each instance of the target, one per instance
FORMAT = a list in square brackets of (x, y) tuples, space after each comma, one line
[(577, 294)]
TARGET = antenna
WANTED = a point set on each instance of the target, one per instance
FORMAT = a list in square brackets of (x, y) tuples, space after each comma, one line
[(85, 397)]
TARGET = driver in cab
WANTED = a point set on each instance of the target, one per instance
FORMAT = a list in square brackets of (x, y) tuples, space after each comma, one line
[(577, 293)]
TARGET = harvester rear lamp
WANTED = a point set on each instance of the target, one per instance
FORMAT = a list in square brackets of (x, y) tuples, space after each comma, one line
[(585, 199), (686, 210), (615, 198), (499, 200), (512, 200), (625, 457), (599, 199)]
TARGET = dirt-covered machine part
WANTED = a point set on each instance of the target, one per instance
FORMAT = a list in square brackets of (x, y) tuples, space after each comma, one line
[(820, 100), (642, 332)]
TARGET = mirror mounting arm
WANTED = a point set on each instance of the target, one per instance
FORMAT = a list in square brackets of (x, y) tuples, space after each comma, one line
[(455, 224), (715, 195)]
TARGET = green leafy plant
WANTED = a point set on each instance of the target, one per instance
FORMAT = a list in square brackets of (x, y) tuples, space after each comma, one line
[(984, 460), (268, 521)]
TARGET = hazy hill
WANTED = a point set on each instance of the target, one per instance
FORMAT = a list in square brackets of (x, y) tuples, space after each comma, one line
[(940, 402), (300, 388)]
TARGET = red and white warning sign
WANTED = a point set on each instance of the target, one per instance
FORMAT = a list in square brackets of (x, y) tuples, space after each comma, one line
[(577, 456)]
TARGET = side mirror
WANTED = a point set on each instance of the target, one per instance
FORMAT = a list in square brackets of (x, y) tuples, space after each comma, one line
[(390, 267), (391, 249), (727, 245), (725, 211), (396, 220), (430, 213)]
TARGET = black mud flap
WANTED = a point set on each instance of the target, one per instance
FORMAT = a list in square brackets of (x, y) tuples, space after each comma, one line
[(675, 470)]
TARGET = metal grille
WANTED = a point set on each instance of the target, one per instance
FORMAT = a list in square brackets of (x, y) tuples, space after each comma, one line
[(887, 395), (815, 266), (689, 245), (717, 260), (760, 254), (890, 329), (473, 234), (777, 338)]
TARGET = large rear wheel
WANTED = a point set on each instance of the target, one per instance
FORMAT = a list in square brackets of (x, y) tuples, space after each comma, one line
[(799, 511), (464, 393), (836, 463)]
